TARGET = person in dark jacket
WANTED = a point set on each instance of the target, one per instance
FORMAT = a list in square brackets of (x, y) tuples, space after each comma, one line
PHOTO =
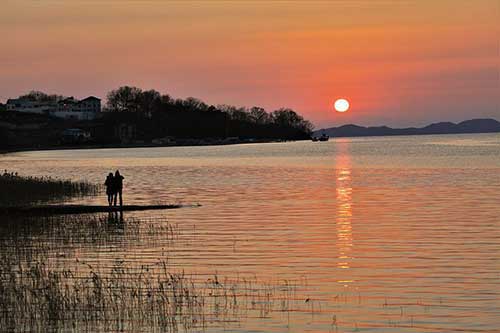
[(118, 181), (110, 190)]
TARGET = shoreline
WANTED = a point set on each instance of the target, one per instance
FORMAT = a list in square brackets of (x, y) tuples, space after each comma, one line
[(192, 144), (132, 145)]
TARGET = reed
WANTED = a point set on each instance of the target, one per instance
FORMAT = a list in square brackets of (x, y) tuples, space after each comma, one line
[(16, 190), (24, 237), (129, 298), (39, 290)]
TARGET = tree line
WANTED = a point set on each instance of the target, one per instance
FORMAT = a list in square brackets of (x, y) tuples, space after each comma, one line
[(40, 96), (237, 121), (153, 115)]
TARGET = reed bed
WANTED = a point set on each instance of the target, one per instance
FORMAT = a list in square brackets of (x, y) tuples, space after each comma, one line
[(128, 298), (28, 237), (41, 291), (16, 190)]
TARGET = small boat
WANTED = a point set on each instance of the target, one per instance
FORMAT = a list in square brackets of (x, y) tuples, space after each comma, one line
[(324, 137)]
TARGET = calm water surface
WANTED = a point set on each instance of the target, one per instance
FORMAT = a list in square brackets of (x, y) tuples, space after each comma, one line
[(398, 234)]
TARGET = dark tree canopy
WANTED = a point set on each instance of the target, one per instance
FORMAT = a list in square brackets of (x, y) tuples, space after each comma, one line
[(124, 99), (158, 115), (39, 96), (259, 115), (289, 118)]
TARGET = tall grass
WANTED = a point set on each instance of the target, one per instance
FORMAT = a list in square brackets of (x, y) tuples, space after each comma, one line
[(39, 290), (25, 237), (16, 190), (129, 298)]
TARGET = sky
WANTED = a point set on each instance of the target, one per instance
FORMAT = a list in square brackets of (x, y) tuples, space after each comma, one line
[(399, 63)]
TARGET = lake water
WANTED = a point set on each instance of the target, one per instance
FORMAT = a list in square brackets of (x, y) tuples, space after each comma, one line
[(389, 234)]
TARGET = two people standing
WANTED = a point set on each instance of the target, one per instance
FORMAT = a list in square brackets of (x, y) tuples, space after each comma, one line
[(114, 188)]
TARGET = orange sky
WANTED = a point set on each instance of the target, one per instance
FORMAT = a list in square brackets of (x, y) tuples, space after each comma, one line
[(399, 63)]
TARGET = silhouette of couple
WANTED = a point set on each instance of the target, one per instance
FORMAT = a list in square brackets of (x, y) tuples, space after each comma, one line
[(114, 188)]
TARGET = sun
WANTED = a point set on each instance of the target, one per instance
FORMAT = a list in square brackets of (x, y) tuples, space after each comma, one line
[(341, 105)]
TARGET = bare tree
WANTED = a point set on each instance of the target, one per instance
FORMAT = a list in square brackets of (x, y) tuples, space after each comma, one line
[(124, 99), (259, 115)]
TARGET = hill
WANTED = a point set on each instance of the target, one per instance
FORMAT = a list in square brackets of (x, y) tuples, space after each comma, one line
[(468, 126)]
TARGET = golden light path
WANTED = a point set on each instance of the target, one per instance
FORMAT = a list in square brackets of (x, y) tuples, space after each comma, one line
[(344, 208)]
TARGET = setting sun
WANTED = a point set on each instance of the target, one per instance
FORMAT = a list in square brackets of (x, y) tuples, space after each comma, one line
[(341, 105)]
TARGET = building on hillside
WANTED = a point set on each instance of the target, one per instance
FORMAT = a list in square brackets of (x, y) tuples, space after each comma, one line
[(28, 106), (85, 109), (69, 108)]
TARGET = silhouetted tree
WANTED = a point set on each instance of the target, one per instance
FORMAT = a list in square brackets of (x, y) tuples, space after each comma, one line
[(192, 103), (166, 99), (39, 96), (259, 115), (124, 99), (288, 118), (235, 113), (149, 101), (155, 115)]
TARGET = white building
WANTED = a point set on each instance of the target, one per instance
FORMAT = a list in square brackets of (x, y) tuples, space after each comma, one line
[(23, 105), (85, 109), (70, 108)]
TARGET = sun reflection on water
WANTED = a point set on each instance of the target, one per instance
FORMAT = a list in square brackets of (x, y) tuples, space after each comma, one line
[(343, 218)]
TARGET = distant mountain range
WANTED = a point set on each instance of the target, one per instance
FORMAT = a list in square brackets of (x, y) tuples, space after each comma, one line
[(468, 126)]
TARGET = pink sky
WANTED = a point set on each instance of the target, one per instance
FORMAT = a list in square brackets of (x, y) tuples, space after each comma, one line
[(400, 63)]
